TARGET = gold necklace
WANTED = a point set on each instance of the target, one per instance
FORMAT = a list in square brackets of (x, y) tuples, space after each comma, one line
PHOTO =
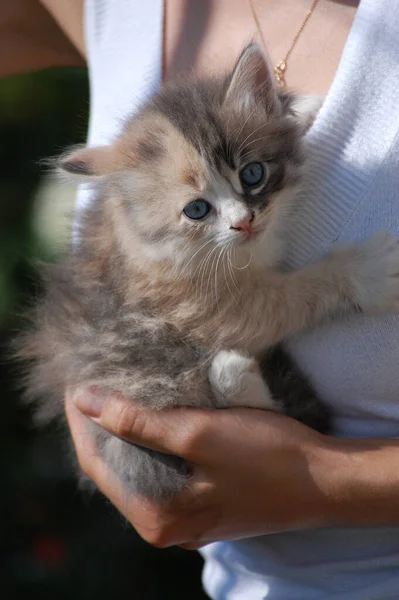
[(280, 69)]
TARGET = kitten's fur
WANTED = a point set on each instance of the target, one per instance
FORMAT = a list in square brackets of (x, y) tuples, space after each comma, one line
[(169, 311)]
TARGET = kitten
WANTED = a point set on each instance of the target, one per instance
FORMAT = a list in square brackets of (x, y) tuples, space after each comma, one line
[(174, 294)]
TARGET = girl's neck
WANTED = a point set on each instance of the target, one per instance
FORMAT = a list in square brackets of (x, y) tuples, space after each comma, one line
[(209, 35)]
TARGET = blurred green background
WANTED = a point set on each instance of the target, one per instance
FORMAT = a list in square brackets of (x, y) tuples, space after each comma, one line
[(55, 541)]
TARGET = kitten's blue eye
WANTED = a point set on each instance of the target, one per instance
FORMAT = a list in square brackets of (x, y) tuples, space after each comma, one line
[(252, 174), (197, 209)]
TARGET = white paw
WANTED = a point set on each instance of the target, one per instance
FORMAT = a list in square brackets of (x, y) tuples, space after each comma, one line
[(236, 381), (375, 274)]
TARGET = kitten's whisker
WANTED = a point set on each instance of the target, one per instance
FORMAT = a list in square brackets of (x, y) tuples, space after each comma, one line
[(210, 273), (249, 151), (199, 268), (229, 147), (243, 125), (199, 250), (225, 278), (245, 266), (250, 135), (232, 274), (204, 270), (223, 248), (250, 142)]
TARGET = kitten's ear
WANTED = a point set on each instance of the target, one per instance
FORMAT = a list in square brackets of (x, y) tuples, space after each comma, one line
[(305, 109), (252, 82), (89, 162)]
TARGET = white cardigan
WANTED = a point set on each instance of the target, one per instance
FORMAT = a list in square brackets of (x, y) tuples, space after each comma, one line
[(352, 190)]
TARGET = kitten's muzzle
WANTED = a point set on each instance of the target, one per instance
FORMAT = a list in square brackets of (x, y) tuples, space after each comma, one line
[(244, 225)]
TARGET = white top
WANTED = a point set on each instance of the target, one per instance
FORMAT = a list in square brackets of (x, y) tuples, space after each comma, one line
[(352, 190)]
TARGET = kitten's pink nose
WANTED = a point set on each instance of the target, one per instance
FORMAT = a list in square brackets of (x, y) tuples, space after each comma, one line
[(244, 224)]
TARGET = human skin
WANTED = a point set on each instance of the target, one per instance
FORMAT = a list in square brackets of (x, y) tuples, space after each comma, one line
[(31, 40), (197, 35), (252, 472), (245, 463)]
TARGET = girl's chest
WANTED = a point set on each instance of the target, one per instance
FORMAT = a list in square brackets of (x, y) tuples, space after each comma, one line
[(353, 362)]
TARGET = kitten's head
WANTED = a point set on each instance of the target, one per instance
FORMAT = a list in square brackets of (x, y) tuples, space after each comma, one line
[(203, 165)]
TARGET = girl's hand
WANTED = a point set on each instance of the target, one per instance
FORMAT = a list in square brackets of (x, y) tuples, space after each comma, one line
[(253, 471)]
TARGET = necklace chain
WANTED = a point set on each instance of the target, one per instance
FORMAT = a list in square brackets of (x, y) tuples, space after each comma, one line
[(281, 67)]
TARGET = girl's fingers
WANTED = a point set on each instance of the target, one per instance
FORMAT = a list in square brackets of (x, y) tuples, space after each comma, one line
[(179, 431)]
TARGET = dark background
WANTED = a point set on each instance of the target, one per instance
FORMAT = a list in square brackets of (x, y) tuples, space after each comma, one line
[(56, 542)]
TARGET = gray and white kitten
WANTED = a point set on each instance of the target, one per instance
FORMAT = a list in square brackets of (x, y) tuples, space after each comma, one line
[(174, 295)]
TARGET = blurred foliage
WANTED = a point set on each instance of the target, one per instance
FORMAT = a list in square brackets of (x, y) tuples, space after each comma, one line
[(55, 542), (40, 114)]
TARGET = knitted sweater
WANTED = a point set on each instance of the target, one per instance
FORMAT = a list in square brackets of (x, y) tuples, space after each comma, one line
[(352, 189)]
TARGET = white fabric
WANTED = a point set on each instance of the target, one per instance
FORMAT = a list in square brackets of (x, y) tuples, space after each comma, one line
[(352, 190), (124, 49)]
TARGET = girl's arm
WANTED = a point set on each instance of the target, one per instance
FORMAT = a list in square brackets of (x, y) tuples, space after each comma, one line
[(31, 40)]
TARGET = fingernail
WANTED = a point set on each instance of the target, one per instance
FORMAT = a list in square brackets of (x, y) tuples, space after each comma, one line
[(90, 402)]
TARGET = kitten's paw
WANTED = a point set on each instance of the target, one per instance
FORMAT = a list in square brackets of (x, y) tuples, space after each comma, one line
[(374, 274), (236, 381)]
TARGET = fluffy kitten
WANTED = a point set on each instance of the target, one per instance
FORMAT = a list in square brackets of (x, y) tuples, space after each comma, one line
[(174, 294)]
